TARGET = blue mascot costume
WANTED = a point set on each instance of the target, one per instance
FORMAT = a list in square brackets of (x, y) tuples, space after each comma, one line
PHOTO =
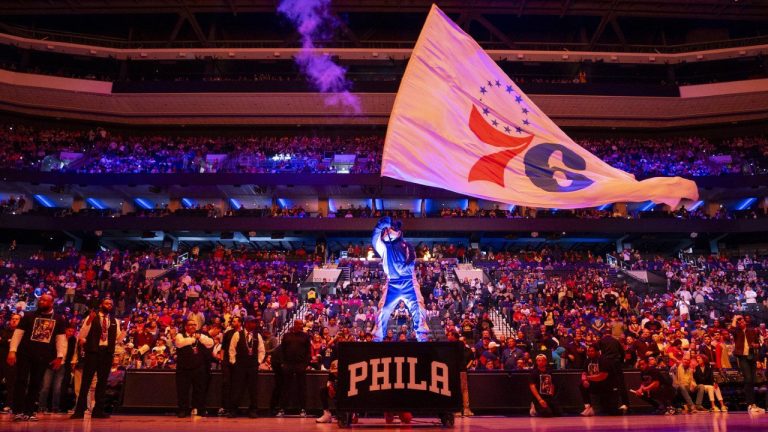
[(398, 258)]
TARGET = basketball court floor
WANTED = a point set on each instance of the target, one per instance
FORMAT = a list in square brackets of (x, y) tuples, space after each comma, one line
[(735, 422)]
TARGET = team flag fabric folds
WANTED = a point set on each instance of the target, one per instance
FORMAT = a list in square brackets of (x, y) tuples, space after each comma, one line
[(461, 124)]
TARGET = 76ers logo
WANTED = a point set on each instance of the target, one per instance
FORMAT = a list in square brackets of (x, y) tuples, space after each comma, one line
[(538, 168)]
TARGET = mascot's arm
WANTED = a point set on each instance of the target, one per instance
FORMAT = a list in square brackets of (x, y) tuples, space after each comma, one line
[(378, 244)]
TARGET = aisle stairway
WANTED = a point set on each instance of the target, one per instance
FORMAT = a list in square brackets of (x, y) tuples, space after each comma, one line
[(500, 325), (299, 312), (346, 274)]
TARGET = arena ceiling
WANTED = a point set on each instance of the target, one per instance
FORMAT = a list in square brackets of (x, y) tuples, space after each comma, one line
[(706, 9), (607, 25)]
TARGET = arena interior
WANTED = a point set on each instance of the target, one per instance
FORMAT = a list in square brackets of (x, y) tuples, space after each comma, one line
[(173, 172)]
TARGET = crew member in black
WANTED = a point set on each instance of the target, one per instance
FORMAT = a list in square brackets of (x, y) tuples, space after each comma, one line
[(467, 359), (296, 355), (543, 389), (612, 351), (98, 337), (655, 388), (275, 402), (597, 380), (38, 342), (71, 333), (226, 367), (7, 372), (246, 352), (191, 371)]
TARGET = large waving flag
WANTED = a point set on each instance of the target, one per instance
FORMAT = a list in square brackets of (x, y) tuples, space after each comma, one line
[(460, 123)]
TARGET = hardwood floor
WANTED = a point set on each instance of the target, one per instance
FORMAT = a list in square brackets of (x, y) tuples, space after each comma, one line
[(735, 422)]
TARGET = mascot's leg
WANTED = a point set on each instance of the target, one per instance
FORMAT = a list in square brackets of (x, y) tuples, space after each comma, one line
[(415, 304), (387, 304)]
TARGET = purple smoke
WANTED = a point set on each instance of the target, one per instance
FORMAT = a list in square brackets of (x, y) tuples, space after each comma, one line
[(312, 18)]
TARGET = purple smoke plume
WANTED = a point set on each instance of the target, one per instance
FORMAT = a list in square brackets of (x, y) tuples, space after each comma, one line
[(312, 18)]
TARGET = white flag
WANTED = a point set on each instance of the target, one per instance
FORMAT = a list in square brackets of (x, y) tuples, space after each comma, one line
[(461, 124)]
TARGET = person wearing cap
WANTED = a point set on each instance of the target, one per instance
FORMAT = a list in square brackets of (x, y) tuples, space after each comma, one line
[(543, 390), (398, 259), (246, 352), (489, 359)]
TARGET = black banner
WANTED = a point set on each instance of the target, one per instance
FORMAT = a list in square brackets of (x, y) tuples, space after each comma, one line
[(399, 376)]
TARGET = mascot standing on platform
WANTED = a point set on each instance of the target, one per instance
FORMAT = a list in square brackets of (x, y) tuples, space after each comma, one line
[(398, 258)]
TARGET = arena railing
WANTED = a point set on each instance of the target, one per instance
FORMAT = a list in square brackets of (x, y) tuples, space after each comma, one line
[(120, 43)]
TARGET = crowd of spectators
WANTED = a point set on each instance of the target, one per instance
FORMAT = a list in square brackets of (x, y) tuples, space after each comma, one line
[(26, 147), (553, 302), (560, 311), (13, 204), (210, 288), (532, 213), (683, 156), (100, 151)]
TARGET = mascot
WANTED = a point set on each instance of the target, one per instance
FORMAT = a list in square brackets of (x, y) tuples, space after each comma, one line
[(398, 258)]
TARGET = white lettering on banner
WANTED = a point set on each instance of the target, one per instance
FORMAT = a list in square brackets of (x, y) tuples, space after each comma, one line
[(358, 372), (439, 376), (439, 380), (380, 374), (399, 372)]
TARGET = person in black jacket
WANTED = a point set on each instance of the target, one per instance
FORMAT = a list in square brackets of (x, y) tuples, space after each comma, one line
[(191, 371), (71, 333), (705, 381), (246, 352), (98, 337), (296, 356), (276, 358), (226, 367), (467, 358), (38, 342), (7, 372), (613, 352)]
